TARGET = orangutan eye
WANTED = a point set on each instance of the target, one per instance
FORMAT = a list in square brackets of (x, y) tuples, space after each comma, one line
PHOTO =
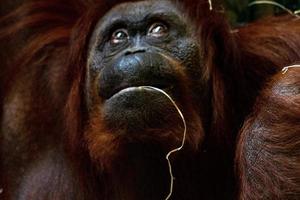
[(119, 36), (158, 30)]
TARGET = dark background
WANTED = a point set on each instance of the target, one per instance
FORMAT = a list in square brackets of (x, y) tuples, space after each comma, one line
[(240, 13)]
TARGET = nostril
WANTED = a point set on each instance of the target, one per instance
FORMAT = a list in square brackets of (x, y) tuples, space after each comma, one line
[(134, 50)]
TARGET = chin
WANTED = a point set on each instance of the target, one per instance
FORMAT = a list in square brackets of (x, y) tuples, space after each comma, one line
[(141, 119)]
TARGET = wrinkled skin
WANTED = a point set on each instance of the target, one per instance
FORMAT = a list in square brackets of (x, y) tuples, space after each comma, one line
[(165, 59)]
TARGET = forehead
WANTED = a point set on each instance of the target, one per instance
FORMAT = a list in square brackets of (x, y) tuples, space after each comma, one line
[(137, 11), (141, 8)]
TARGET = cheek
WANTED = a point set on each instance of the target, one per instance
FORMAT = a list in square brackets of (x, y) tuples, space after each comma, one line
[(185, 50), (95, 65)]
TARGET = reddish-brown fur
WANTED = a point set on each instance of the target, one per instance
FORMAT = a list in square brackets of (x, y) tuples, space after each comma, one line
[(268, 153), (43, 155)]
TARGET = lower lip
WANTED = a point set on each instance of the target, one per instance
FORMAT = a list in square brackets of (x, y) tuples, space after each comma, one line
[(138, 89), (129, 89), (168, 91)]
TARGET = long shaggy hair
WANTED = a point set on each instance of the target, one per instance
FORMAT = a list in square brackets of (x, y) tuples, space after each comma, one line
[(53, 37)]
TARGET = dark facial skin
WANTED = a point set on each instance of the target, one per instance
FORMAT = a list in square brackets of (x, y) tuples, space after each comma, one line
[(137, 44)]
